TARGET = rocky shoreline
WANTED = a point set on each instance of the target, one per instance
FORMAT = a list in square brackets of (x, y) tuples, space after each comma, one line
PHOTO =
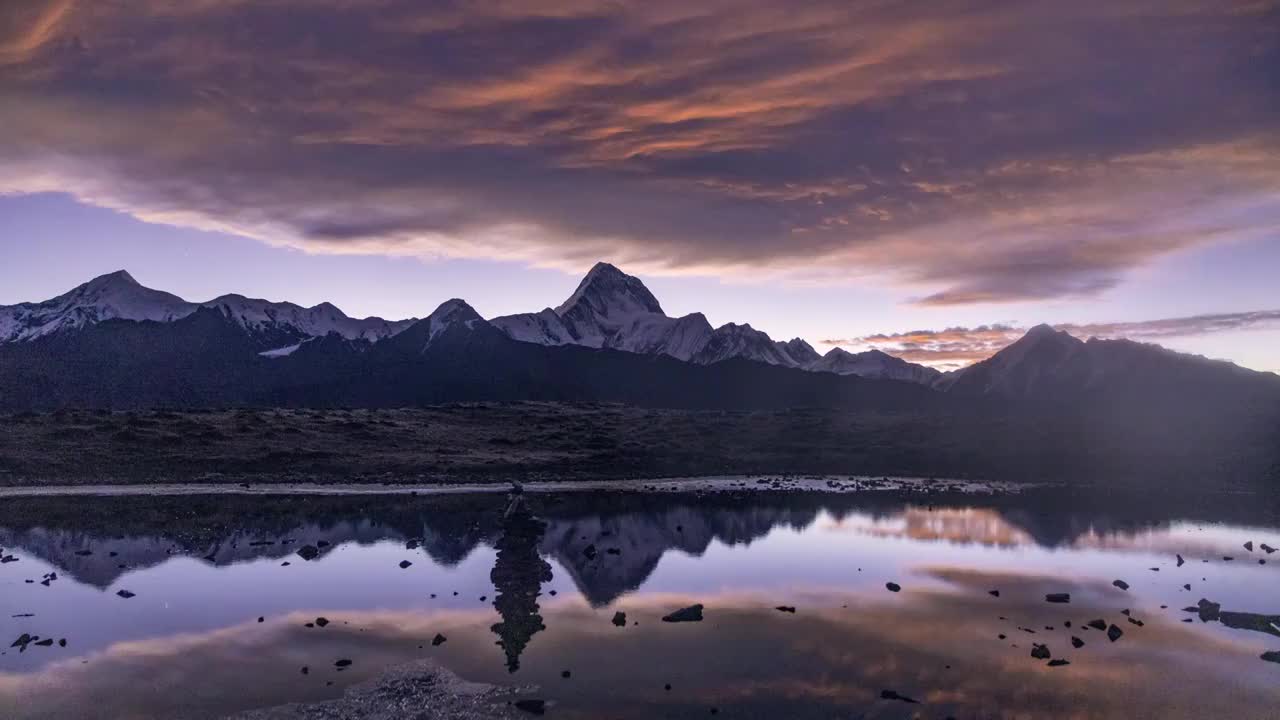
[(420, 689)]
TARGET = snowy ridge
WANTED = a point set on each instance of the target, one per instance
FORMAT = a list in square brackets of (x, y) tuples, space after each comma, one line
[(733, 340), (263, 315), (801, 353), (109, 297), (609, 309), (875, 364), (117, 296)]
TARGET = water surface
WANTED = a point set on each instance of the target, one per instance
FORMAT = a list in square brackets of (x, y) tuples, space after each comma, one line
[(526, 590)]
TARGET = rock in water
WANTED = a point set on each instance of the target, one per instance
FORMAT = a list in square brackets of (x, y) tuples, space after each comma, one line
[(892, 695), (786, 609), (1040, 652), (893, 586), (693, 613), (1272, 656), (620, 619), (1076, 642), (126, 594), (308, 552), (533, 707), (404, 564), (1180, 561), (1208, 611), (1058, 663), (1058, 598), (438, 640), (1098, 624), (1121, 584), (1114, 633)]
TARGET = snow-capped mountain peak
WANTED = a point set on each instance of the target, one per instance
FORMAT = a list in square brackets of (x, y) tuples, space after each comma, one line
[(801, 353), (453, 310), (108, 297), (610, 309), (423, 334), (610, 293)]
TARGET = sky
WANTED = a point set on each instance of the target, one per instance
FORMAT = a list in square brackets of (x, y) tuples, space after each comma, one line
[(926, 178)]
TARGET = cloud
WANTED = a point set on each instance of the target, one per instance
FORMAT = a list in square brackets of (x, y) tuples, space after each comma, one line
[(974, 152), (959, 346)]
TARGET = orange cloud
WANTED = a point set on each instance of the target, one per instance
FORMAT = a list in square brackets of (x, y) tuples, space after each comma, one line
[(975, 152)]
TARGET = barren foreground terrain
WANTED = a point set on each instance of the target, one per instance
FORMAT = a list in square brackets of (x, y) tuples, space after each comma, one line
[(506, 441)]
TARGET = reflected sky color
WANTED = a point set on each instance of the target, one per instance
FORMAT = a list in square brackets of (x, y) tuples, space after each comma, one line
[(191, 633)]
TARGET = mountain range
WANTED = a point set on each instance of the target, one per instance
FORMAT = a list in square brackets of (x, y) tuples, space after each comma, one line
[(112, 342), (608, 310)]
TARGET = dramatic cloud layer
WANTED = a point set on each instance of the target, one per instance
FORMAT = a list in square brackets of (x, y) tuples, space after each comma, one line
[(969, 150), (959, 346)]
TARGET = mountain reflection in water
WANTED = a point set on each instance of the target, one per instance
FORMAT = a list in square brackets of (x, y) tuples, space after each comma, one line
[(553, 569)]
